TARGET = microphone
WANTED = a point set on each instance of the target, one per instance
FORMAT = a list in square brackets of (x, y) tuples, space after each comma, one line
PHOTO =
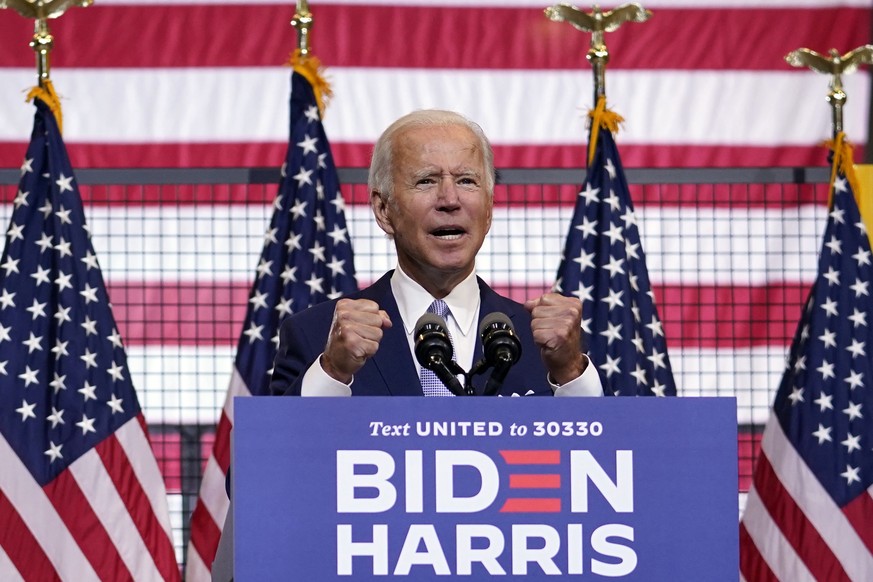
[(501, 348), (433, 350)]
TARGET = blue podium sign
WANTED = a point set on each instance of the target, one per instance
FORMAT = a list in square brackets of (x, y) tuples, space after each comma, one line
[(466, 488)]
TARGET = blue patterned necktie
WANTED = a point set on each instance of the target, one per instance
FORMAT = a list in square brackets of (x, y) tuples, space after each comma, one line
[(430, 384)]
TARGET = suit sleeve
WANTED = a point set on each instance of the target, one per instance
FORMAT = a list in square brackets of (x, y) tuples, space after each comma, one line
[(293, 358)]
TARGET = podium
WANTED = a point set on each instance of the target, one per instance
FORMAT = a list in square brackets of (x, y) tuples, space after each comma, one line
[(467, 488)]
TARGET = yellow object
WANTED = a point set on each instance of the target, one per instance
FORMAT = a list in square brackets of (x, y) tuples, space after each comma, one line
[(864, 195), (601, 117), (843, 161), (310, 67), (46, 94)]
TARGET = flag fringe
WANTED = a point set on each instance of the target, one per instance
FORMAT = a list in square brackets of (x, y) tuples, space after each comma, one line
[(46, 93), (310, 67), (843, 161), (601, 118)]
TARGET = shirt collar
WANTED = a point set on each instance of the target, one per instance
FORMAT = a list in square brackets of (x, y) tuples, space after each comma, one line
[(413, 301)]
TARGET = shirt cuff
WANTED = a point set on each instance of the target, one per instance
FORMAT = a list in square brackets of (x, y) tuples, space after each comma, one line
[(588, 384), (316, 382)]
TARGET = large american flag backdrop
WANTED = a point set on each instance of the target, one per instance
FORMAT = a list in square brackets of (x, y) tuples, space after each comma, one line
[(201, 84)]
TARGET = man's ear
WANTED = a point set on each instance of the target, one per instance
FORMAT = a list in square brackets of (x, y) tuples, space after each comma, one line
[(381, 212)]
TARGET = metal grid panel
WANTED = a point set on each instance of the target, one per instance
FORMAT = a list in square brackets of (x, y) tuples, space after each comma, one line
[(731, 255)]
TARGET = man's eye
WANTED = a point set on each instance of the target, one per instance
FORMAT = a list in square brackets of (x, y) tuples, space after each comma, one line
[(467, 181)]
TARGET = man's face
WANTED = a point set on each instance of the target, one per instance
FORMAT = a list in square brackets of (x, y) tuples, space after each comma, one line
[(439, 212)]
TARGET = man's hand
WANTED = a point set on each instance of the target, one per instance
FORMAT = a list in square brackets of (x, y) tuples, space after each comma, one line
[(354, 337), (556, 323)]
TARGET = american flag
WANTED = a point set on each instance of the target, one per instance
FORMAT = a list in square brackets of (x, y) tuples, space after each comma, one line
[(809, 513), (306, 259), (212, 93), (703, 83), (81, 495), (605, 267)]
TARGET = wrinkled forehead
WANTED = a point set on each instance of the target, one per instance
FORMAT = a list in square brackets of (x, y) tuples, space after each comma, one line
[(456, 142)]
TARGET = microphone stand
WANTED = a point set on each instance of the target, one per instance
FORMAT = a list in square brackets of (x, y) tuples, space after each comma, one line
[(492, 385), (447, 371), (433, 351)]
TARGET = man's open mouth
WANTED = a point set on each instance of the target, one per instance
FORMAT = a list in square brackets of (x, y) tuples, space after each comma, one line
[(450, 233)]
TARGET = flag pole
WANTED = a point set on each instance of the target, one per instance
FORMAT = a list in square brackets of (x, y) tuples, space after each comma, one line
[(627, 346), (303, 61), (302, 21), (293, 273), (42, 41), (774, 542), (835, 65), (597, 23), (119, 500)]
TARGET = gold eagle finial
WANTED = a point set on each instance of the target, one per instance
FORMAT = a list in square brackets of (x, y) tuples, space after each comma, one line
[(836, 65), (598, 21), (833, 63), (42, 9), (42, 41)]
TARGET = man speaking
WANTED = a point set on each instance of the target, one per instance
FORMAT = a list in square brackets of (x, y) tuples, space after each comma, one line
[(431, 188)]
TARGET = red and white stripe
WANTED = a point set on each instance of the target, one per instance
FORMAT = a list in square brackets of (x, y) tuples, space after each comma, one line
[(791, 527), (207, 520), (104, 518), (201, 84)]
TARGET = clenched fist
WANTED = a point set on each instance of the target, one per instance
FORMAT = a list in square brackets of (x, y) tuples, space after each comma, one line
[(556, 323), (355, 333)]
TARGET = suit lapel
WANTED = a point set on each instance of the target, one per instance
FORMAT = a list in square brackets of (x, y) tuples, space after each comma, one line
[(393, 361), (491, 302)]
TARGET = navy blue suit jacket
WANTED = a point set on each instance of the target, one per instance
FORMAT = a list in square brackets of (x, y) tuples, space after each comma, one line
[(392, 372)]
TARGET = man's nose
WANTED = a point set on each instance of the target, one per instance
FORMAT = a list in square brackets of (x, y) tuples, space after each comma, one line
[(447, 194)]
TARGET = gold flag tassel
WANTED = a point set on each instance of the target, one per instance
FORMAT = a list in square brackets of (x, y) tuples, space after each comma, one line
[(601, 117), (843, 162), (45, 92), (310, 67), (843, 156)]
